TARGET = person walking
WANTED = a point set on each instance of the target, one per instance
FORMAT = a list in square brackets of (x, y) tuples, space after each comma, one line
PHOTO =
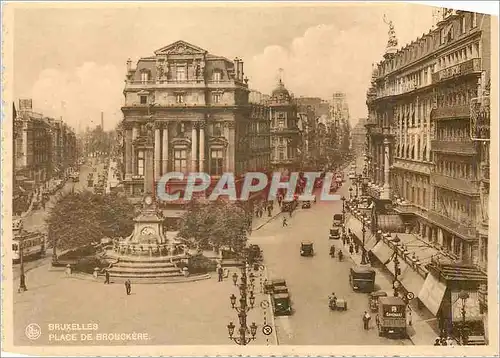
[(408, 315), (284, 222), (351, 248), (220, 271), (106, 279), (366, 320), (128, 287)]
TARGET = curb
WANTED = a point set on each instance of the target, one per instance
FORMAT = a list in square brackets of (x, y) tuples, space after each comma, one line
[(145, 281), (267, 221)]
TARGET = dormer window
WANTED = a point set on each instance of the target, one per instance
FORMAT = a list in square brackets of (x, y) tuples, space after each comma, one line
[(181, 75), (216, 76), (144, 77), (179, 97), (144, 99), (216, 97)]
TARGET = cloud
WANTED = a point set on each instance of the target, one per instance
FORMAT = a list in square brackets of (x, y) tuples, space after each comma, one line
[(336, 57), (80, 95)]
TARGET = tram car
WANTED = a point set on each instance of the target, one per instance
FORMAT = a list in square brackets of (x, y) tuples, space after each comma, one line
[(33, 246)]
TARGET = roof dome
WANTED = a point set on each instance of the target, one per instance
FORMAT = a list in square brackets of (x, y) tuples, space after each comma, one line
[(280, 90)]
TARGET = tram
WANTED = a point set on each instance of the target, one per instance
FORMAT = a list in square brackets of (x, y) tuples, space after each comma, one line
[(33, 246)]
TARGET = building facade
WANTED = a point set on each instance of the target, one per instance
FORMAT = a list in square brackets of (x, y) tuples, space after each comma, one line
[(187, 110), (285, 134), (424, 150), (358, 137)]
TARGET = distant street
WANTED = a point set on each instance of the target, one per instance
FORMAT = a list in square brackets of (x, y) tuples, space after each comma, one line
[(312, 279)]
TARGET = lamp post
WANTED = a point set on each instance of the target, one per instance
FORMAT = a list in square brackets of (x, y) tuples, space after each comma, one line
[(245, 305), (363, 230), (463, 295), (396, 240), (359, 182), (343, 209)]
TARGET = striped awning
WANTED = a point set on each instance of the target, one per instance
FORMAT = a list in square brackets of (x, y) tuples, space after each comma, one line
[(432, 294)]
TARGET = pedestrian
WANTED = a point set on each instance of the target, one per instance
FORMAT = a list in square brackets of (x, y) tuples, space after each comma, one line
[(356, 248), (106, 275), (284, 222), (343, 239), (408, 315), (377, 320), (290, 212), (128, 287), (366, 320), (437, 342), (220, 272), (351, 248)]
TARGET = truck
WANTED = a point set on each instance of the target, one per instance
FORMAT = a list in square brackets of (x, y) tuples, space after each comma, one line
[(362, 279), (391, 317)]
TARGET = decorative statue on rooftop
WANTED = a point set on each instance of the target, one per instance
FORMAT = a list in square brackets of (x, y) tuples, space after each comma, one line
[(393, 41)]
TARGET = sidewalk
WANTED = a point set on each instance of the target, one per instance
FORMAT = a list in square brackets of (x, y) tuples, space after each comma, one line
[(258, 223), (420, 332)]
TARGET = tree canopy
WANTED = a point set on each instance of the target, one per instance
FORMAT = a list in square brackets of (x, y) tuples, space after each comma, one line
[(215, 224), (80, 218)]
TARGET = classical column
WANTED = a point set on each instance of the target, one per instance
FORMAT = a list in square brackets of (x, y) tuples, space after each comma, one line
[(194, 147), (228, 157), (157, 151), (202, 146), (231, 147), (386, 193), (164, 154), (135, 134), (128, 154)]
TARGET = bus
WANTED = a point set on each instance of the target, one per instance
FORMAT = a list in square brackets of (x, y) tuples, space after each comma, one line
[(33, 245)]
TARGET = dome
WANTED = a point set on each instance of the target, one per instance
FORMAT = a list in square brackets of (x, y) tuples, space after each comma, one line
[(280, 91)]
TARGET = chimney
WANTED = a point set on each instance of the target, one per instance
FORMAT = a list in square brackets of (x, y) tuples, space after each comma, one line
[(129, 65), (102, 121), (236, 68), (241, 69)]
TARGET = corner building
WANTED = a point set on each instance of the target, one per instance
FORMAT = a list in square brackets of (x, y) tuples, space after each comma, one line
[(187, 110), (420, 105)]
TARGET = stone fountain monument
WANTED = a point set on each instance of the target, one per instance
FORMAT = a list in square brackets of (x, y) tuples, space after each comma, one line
[(147, 253)]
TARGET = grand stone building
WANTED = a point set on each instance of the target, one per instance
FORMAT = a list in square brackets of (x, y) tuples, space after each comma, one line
[(285, 134), (187, 110), (423, 150)]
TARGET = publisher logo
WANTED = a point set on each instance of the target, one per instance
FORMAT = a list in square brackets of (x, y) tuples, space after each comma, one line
[(33, 331)]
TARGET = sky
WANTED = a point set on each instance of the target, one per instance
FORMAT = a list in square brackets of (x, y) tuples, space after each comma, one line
[(71, 60)]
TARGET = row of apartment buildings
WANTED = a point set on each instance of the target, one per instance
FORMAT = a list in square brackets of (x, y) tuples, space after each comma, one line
[(428, 138), (43, 148)]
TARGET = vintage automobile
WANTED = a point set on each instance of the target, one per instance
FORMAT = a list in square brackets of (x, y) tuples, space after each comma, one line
[(306, 205), (269, 286), (373, 299), (339, 305), (334, 233), (289, 205), (392, 317), (306, 248), (279, 286), (337, 219), (281, 304), (362, 279)]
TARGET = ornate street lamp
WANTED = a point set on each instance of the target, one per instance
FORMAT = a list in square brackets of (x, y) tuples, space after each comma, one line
[(395, 284), (464, 296), (363, 251), (343, 209), (245, 290)]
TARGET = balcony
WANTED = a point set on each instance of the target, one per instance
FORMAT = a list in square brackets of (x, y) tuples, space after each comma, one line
[(466, 231), (461, 69), (284, 130), (467, 187), (175, 83), (466, 147), (454, 112)]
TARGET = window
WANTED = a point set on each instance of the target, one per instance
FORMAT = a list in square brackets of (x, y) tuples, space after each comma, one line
[(216, 97), (216, 162), (180, 160), (140, 162), (180, 129), (217, 129), (179, 98), (144, 77), (462, 25), (474, 19), (216, 76), (144, 99), (181, 73)]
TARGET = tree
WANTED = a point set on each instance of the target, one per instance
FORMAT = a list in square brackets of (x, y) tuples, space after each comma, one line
[(80, 218), (215, 224)]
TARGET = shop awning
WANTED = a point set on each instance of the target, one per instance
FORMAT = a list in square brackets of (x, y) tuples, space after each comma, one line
[(432, 293), (357, 229), (390, 223), (472, 311), (382, 251)]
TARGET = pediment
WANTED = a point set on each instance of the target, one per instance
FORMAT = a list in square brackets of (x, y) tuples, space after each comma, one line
[(180, 48), (218, 141), (180, 142)]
